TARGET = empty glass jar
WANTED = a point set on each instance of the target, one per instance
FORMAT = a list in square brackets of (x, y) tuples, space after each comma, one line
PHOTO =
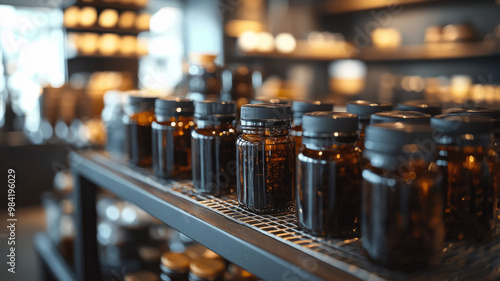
[(329, 175), (364, 109), (299, 108), (172, 136), (401, 206), (140, 115), (468, 188), (214, 147), (266, 158)]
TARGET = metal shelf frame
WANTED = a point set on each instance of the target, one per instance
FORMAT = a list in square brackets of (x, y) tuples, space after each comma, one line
[(52, 261), (270, 246)]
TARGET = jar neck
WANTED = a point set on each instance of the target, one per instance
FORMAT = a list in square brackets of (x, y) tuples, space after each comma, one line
[(340, 147), (215, 124), (265, 127), (363, 121), (402, 162), (297, 120)]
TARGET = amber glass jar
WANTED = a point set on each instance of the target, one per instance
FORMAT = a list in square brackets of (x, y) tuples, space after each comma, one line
[(401, 206), (140, 115), (298, 109), (470, 199), (329, 175), (174, 267), (266, 158), (203, 77), (406, 117), (172, 136), (430, 108), (214, 147), (205, 269), (364, 109)]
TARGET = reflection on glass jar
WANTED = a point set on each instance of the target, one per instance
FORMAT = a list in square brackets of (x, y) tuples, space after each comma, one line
[(266, 159), (172, 137), (329, 175), (401, 207), (214, 147), (464, 157), (140, 115)]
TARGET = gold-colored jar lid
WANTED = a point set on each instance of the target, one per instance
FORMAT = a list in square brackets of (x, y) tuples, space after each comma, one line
[(207, 268), (142, 276), (178, 262)]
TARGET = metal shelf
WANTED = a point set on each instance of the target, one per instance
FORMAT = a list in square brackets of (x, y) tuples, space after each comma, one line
[(52, 259), (102, 30), (270, 246)]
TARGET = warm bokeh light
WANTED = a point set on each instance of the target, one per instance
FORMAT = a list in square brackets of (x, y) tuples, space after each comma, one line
[(347, 76), (236, 28), (72, 16), (127, 19), (248, 41), (285, 42), (88, 16), (108, 18), (265, 42), (142, 21), (386, 38), (460, 87), (108, 44)]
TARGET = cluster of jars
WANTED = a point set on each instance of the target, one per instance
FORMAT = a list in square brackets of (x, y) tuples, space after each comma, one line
[(401, 180)]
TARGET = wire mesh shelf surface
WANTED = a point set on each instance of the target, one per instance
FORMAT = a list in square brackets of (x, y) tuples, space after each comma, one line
[(461, 260)]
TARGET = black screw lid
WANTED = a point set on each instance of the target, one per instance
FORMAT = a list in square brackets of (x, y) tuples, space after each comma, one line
[(174, 106), (393, 138), (458, 124), (421, 106), (214, 108), (141, 100), (301, 107), (407, 117), (362, 107), (266, 111), (330, 122), (272, 100)]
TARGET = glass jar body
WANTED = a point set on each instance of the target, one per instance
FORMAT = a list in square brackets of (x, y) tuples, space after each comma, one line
[(266, 168), (214, 158), (469, 187), (329, 190), (138, 137), (172, 146), (296, 132), (401, 212)]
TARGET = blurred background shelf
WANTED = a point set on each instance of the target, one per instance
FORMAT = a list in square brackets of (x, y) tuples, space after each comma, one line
[(110, 5), (270, 246), (347, 6), (100, 30)]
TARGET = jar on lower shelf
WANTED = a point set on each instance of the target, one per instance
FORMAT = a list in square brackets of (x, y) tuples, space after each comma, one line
[(468, 165), (140, 115), (329, 175), (214, 147), (401, 206), (172, 137), (174, 267), (266, 159), (206, 269)]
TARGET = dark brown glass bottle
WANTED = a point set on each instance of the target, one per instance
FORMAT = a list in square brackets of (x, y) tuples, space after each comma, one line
[(469, 192), (140, 115), (430, 108), (364, 109), (266, 158), (172, 136), (401, 206), (329, 175), (214, 147), (299, 108), (406, 117), (174, 266)]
